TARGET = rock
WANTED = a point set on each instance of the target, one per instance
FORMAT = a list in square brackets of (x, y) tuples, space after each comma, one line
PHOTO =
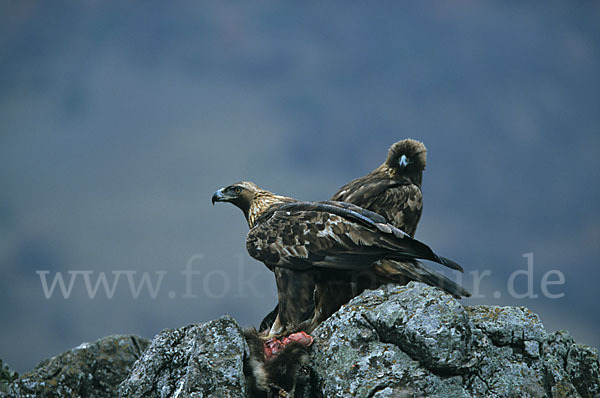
[(393, 341), (90, 370), (416, 340), (396, 341), (7, 376), (204, 360)]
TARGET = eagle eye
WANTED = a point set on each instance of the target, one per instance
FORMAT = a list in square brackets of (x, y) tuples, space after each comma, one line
[(237, 189)]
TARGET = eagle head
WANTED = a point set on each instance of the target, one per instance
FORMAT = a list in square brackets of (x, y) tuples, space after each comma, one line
[(249, 198), (241, 194), (407, 156)]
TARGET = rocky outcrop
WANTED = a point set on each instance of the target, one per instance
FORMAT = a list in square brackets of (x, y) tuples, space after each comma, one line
[(415, 340), (7, 376), (90, 370), (396, 341), (194, 361)]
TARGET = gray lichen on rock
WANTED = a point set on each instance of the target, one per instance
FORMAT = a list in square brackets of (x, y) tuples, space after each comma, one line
[(205, 360), (7, 376), (417, 339), (90, 370), (396, 341)]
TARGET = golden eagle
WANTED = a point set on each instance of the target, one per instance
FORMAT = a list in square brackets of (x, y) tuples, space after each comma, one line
[(316, 242), (392, 190)]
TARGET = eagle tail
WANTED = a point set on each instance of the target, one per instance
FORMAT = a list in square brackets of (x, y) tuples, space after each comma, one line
[(405, 271), (450, 264), (433, 278), (420, 251)]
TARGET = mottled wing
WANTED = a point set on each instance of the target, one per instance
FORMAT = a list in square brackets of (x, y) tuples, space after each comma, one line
[(330, 236), (400, 203), (300, 240), (363, 191)]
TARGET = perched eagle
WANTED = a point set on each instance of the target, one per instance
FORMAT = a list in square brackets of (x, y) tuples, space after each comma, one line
[(316, 242), (392, 190)]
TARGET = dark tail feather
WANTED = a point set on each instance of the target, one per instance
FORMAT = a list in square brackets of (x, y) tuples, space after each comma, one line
[(419, 250), (447, 285), (451, 264), (406, 271), (424, 252)]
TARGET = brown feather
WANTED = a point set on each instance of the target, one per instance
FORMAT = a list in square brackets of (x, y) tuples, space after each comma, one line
[(394, 191), (311, 240), (350, 241)]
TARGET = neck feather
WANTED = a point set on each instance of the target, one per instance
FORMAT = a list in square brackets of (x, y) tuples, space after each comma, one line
[(262, 201)]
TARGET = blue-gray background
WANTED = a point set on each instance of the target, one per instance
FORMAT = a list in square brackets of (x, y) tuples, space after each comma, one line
[(119, 119)]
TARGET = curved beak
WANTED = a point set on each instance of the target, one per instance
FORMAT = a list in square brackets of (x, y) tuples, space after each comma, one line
[(403, 161), (218, 196)]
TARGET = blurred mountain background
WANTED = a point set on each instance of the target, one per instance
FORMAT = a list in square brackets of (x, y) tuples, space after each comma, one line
[(118, 120)]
